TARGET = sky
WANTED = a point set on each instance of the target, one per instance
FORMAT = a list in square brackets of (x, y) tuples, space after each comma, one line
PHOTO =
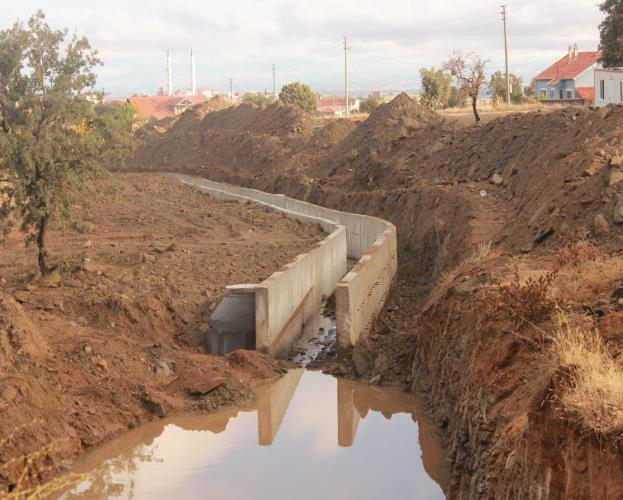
[(390, 40)]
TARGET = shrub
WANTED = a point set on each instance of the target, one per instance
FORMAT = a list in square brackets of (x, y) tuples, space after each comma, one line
[(589, 388)]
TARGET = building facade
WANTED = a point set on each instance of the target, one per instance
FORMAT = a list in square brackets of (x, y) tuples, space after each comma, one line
[(608, 86), (569, 79)]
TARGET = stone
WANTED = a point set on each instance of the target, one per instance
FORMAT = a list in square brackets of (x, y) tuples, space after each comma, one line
[(147, 257), (88, 349), (89, 266), (54, 278), (496, 180), (361, 359), (614, 176), (617, 294), (88, 244), (162, 369), (381, 364), (617, 161), (543, 234), (617, 214), (600, 226), (155, 405)]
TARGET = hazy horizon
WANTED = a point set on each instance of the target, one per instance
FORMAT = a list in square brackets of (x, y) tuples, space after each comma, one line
[(390, 41)]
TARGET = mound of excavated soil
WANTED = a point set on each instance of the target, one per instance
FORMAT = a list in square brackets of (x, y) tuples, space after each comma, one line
[(116, 337), (242, 138)]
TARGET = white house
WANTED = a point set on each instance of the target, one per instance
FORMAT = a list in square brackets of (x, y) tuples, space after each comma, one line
[(608, 86)]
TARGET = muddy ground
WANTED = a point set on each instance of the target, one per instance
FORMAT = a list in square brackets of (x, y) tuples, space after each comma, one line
[(114, 338), (476, 208)]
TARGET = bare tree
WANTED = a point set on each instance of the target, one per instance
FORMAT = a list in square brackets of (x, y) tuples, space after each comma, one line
[(469, 72)]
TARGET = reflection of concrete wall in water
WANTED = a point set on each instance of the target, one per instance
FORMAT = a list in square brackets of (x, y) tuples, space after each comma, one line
[(354, 402), (290, 297), (272, 404), (347, 415)]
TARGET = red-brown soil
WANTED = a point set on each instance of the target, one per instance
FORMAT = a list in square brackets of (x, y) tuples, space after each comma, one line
[(114, 338), (521, 186)]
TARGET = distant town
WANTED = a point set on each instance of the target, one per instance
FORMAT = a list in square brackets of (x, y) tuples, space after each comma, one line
[(577, 79)]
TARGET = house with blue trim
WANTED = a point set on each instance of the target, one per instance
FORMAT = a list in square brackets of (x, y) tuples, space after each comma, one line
[(572, 78)]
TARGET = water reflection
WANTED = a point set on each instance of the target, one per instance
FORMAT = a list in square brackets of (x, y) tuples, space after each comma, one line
[(304, 452)]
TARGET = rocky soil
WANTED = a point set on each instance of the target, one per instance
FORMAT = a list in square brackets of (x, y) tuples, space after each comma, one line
[(114, 337), (517, 192)]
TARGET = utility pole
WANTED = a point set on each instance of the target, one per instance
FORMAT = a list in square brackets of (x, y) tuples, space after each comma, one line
[(274, 84), (169, 85), (508, 82), (346, 47), (193, 81), (231, 90)]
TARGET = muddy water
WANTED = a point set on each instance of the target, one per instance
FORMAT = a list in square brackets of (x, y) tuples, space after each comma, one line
[(306, 436)]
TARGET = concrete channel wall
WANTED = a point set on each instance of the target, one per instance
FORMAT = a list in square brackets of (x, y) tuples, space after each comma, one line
[(291, 296)]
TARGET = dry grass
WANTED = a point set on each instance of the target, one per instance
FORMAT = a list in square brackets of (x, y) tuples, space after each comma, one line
[(588, 281), (30, 468), (592, 396), (583, 274)]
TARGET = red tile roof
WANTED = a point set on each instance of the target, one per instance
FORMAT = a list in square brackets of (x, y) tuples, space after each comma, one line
[(162, 106), (335, 101), (586, 93), (568, 68)]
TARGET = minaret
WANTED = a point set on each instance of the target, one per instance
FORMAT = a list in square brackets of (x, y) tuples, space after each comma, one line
[(193, 84), (169, 85)]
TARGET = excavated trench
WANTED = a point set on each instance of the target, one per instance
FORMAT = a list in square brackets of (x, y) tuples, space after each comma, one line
[(307, 435)]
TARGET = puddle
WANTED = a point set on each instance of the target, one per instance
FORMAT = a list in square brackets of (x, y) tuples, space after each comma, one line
[(306, 436)]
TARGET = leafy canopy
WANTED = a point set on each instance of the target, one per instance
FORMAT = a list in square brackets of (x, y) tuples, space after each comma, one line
[(300, 95), (259, 99), (368, 105), (611, 33), (52, 142), (436, 88), (497, 84)]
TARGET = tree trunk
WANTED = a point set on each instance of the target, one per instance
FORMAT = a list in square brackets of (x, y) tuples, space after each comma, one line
[(474, 102), (43, 254)]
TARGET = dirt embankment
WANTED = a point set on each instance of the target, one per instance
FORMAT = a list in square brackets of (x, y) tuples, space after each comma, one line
[(513, 193), (116, 337)]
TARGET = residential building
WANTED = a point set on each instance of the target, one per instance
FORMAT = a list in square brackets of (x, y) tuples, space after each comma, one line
[(608, 86), (336, 105), (570, 79), (163, 106)]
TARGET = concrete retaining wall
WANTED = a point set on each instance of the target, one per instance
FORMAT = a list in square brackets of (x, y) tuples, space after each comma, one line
[(289, 297)]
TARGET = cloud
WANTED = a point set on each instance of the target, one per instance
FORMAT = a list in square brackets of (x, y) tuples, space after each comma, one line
[(241, 39)]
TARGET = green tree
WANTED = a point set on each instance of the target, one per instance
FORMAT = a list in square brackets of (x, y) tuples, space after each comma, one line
[(53, 142), (262, 101), (611, 33), (300, 95), (436, 88), (497, 84), (457, 100), (368, 105), (530, 90)]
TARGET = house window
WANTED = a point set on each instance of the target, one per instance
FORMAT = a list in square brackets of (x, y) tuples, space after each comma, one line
[(602, 89), (544, 93), (552, 94), (560, 94), (568, 94)]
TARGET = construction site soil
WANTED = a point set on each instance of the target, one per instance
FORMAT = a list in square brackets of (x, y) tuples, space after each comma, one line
[(115, 336), (501, 228)]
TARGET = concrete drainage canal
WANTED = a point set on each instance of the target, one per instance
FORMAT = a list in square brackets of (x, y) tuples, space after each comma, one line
[(307, 435)]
